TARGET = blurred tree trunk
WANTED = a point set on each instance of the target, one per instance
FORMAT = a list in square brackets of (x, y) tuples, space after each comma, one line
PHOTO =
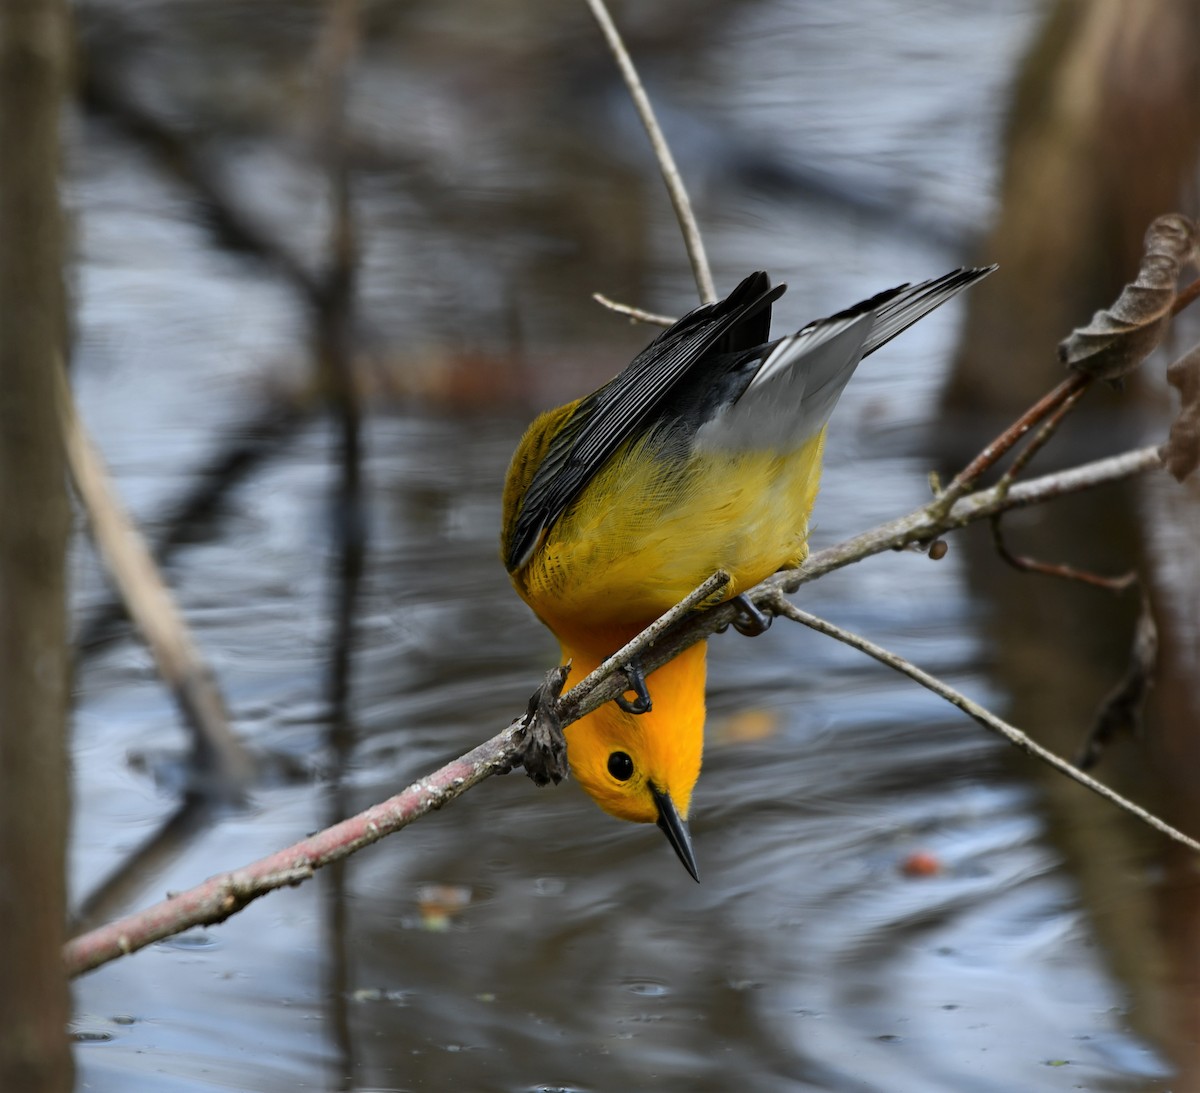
[(34, 522), (1102, 137)]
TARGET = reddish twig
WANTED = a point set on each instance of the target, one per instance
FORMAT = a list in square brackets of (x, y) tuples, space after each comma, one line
[(965, 480), (1032, 565), (1048, 429), (226, 893), (221, 896), (1186, 296), (1051, 569)]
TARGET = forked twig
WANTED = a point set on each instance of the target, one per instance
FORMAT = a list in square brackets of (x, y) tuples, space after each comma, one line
[(1068, 391), (928, 522), (1041, 438)]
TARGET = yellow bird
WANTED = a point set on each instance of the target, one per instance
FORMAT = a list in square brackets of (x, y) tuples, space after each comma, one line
[(703, 454)]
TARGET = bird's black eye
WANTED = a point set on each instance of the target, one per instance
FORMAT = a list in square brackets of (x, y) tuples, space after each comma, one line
[(620, 766)]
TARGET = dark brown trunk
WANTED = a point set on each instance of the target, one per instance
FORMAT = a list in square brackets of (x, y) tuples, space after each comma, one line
[(34, 522)]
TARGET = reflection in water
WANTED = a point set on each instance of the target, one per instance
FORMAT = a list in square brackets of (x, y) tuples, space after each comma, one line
[(495, 191)]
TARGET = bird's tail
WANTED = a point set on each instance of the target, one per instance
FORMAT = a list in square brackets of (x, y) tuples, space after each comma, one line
[(795, 389), (914, 302)]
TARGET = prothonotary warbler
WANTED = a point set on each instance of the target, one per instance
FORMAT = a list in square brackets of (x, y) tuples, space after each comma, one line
[(703, 454)]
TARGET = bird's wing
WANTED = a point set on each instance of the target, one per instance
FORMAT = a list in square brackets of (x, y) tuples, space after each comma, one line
[(795, 389), (623, 406), (917, 301)]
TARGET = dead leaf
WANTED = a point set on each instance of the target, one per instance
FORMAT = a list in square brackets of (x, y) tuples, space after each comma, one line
[(1116, 341), (1181, 453)]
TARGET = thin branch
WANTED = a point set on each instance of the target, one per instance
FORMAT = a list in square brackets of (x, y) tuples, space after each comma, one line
[(1042, 437), (635, 313), (1124, 705), (1056, 569), (666, 162), (783, 606), (568, 704), (223, 766), (221, 896), (226, 893), (925, 524), (965, 480)]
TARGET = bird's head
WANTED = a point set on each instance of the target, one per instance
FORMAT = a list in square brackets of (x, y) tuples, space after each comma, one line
[(643, 768)]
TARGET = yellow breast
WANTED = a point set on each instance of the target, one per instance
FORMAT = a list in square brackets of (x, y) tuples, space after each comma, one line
[(648, 529)]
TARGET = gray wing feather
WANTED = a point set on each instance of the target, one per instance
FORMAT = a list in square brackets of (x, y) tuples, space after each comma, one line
[(789, 399), (793, 394)]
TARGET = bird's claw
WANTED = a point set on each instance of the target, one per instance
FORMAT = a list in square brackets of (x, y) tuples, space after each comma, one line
[(750, 620), (545, 754), (637, 684)]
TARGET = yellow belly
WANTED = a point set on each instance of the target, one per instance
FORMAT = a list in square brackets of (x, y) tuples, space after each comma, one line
[(646, 531)]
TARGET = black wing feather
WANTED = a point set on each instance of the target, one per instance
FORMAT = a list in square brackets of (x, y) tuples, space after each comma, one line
[(717, 336), (625, 405)]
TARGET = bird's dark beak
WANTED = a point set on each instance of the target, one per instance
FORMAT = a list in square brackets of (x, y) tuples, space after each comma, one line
[(676, 831)]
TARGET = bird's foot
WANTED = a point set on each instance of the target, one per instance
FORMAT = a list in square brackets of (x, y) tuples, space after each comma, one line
[(637, 684), (750, 620), (545, 754)]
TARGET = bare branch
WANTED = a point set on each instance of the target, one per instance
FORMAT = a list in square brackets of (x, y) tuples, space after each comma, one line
[(1043, 435), (1122, 708), (1056, 569), (925, 524), (666, 162), (698, 596), (226, 893), (221, 896), (1066, 392), (783, 606), (635, 313)]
